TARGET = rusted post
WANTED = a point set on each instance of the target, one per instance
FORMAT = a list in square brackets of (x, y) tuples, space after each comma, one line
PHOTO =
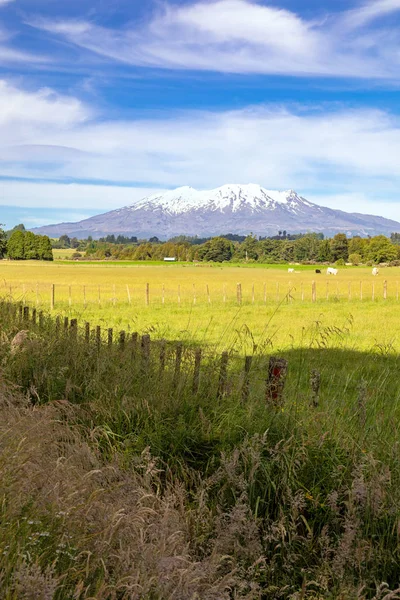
[(277, 371), (87, 332), (122, 339), (196, 372), (178, 362), (145, 345), (223, 373), (315, 383), (110, 334), (246, 379)]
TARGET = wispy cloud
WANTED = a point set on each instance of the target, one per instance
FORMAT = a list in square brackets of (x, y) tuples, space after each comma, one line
[(242, 36), (62, 140)]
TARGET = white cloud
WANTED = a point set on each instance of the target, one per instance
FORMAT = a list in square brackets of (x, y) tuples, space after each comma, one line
[(338, 151), (242, 36), (4, 2), (70, 197)]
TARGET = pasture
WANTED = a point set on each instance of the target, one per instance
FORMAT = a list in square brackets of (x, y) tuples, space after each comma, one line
[(201, 303)]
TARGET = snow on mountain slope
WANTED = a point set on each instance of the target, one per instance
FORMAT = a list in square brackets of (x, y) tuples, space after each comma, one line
[(230, 197), (232, 208)]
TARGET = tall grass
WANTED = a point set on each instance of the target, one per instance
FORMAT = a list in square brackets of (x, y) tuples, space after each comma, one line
[(117, 483)]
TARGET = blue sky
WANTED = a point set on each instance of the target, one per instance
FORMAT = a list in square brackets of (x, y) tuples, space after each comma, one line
[(103, 103)]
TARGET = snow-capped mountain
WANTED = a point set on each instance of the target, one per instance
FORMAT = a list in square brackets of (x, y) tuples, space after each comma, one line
[(237, 209)]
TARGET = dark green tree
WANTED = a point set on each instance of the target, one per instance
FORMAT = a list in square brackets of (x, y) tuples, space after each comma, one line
[(45, 251), (218, 250), (31, 243), (3, 242), (339, 247), (16, 246)]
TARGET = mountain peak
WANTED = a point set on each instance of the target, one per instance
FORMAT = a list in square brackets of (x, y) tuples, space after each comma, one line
[(231, 208)]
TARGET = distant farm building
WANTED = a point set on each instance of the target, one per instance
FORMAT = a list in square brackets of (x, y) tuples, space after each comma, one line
[(170, 259)]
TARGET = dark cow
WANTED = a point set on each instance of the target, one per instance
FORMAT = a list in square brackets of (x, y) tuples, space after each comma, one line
[(318, 271)]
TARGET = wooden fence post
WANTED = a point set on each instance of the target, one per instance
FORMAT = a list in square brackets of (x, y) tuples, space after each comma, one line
[(313, 292), (134, 342), (66, 323), (74, 328), (385, 290), (110, 334), (84, 296), (87, 332), (129, 294), (26, 314), (178, 362), (98, 337), (145, 344), (34, 312), (246, 379), (52, 296), (239, 293), (223, 372), (121, 341), (147, 294), (208, 294), (196, 371), (315, 382), (163, 348), (277, 371), (58, 325)]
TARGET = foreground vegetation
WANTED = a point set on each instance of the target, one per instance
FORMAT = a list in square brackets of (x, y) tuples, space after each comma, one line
[(117, 482)]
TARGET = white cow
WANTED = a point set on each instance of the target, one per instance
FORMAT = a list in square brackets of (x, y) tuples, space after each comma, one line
[(290, 270), (331, 271), (375, 271)]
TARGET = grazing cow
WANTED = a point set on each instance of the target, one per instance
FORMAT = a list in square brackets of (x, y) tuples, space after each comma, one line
[(331, 271), (318, 271), (375, 271), (290, 270)]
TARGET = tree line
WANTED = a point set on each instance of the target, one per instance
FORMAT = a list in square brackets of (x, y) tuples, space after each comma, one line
[(19, 244), (302, 248)]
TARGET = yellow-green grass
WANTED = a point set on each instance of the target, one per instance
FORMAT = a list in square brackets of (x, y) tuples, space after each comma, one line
[(199, 303), (63, 253)]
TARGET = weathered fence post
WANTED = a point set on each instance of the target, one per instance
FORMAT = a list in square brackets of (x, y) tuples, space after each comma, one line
[(147, 294), (246, 379), (110, 335), (178, 362), (385, 290), (223, 373), (196, 371), (134, 343), (66, 323), (87, 332), (98, 337), (26, 314), (163, 348), (277, 371), (239, 293), (313, 292), (74, 328), (41, 319), (34, 313), (315, 382), (129, 294), (145, 344), (58, 325), (208, 294), (121, 341), (52, 296)]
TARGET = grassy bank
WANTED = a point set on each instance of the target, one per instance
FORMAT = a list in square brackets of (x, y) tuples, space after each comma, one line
[(118, 481)]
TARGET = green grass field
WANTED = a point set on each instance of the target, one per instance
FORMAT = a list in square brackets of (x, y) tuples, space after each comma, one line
[(199, 303)]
